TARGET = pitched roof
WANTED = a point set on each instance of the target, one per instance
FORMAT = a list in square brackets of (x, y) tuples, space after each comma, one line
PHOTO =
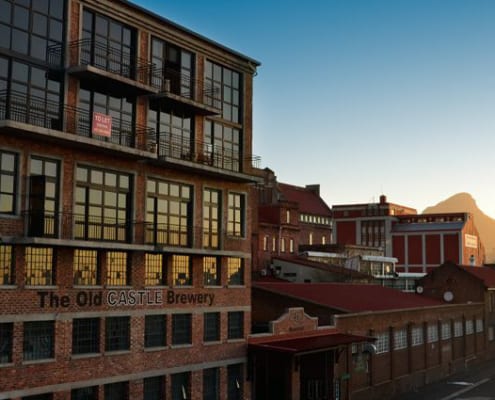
[(309, 202), (349, 297), (486, 274)]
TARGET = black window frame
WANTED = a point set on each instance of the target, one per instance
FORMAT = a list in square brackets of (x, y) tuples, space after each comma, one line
[(156, 269), (154, 388), (38, 340), (181, 384), (6, 342), (86, 335), (235, 273), (155, 330), (181, 329), (235, 325), (9, 174), (236, 218), (117, 333), (84, 393), (211, 384), (235, 382), (211, 327), (7, 264), (116, 391)]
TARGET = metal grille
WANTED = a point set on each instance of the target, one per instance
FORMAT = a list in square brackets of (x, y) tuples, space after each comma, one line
[(211, 273), (86, 268), (117, 268), (181, 269), (39, 266), (156, 272)]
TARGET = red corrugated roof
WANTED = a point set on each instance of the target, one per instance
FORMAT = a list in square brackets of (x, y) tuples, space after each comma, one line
[(309, 343), (350, 297), (486, 274), (309, 202)]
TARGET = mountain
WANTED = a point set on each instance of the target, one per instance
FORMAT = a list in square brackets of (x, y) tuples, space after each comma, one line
[(464, 202)]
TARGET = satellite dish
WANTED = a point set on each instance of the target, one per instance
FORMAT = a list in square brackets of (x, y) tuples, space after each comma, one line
[(448, 296), (419, 289)]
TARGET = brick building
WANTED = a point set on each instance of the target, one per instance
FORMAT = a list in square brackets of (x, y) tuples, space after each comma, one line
[(416, 340), (420, 242), (126, 174), (288, 216)]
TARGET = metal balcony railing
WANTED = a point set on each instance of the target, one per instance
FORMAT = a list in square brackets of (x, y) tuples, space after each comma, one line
[(182, 84), (40, 112), (104, 57)]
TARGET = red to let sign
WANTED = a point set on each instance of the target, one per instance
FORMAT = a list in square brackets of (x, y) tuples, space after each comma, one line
[(102, 124)]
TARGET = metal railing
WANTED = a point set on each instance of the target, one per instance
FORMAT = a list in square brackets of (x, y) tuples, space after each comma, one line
[(40, 112)]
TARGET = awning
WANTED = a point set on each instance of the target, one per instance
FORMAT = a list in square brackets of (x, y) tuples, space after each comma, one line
[(310, 343)]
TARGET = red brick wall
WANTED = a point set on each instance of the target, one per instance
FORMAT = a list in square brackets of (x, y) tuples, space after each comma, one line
[(346, 232)]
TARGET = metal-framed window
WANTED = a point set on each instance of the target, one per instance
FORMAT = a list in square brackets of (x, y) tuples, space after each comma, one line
[(211, 271), (223, 145), (400, 339), (155, 269), (39, 340), (117, 391), (235, 325), (118, 268), (85, 335), (211, 384), (44, 396), (117, 333), (7, 265), (211, 218), (479, 325), (235, 382), (155, 330), (8, 182), (181, 386), (432, 332), (154, 388), (446, 330), (235, 271), (85, 393), (6, 335), (235, 220), (211, 326), (417, 336), (86, 267), (458, 329), (181, 329), (39, 266), (469, 327), (181, 270), (382, 343)]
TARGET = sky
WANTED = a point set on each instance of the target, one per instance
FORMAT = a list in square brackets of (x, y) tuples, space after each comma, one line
[(365, 97)]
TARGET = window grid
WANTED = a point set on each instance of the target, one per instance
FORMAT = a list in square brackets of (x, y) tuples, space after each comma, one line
[(6, 335), (155, 270), (222, 146), (85, 335), (181, 329), (235, 222), (479, 325), (382, 343), (154, 388), (211, 327), (211, 271), (211, 385), (85, 393), (86, 267), (181, 270), (117, 391), (8, 182), (446, 330), (211, 218), (38, 341), (181, 386), (155, 331), (117, 333), (117, 268), (417, 336), (6, 265), (236, 325), (458, 329), (432, 333), (40, 269), (235, 271), (234, 382), (469, 327), (400, 339)]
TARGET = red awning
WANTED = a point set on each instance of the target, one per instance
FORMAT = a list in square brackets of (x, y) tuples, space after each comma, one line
[(310, 343)]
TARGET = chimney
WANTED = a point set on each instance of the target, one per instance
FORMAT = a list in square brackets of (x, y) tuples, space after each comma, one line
[(383, 199), (314, 188)]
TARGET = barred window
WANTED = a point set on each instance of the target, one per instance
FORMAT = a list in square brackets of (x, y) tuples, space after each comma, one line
[(211, 326), (235, 220), (40, 269), (211, 384), (118, 268), (458, 329), (39, 340), (85, 335), (382, 343), (6, 265), (446, 330), (479, 325), (417, 336), (211, 271), (432, 332), (181, 270), (234, 382), (154, 388), (117, 391), (117, 333), (85, 393), (469, 327), (182, 329), (400, 339), (235, 271), (8, 182), (236, 325), (155, 270), (86, 267), (155, 331), (181, 386), (6, 334)]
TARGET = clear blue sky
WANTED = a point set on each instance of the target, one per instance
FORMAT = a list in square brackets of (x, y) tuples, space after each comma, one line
[(366, 97)]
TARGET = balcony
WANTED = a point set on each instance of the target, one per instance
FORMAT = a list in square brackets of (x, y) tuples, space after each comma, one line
[(184, 92), (44, 114), (108, 68)]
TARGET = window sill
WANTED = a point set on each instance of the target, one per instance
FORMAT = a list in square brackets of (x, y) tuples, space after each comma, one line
[(40, 287), (83, 356), (7, 365), (116, 352), (239, 340), (236, 286), (40, 361), (156, 287), (118, 287), (88, 287), (8, 287), (181, 346), (212, 343), (213, 286), (153, 349)]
